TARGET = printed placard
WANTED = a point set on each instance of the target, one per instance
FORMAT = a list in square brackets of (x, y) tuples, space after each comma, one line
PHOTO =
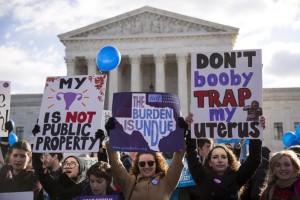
[(70, 114), (4, 106), (146, 122), (226, 94), (186, 178), (100, 197)]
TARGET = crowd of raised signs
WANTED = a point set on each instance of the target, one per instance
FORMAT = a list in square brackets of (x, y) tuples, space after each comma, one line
[(213, 170)]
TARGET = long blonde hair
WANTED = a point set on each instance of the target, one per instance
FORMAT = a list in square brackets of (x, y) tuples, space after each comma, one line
[(271, 177)]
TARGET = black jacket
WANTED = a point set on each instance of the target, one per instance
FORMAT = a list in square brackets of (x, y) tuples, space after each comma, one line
[(24, 181), (225, 187), (61, 188)]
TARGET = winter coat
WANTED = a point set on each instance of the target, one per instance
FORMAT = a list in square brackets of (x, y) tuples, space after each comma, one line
[(61, 188), (157, 187), (213, 187), (26, 180)]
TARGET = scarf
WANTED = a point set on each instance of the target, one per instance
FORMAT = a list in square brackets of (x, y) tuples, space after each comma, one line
[(282, 184)]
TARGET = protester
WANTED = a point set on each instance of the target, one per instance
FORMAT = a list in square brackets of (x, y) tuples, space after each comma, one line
[(221, 176), (203, 147), (52, 161), (68, 185), (283, 178), (99, 180), (253, 188), (17, 177), (296, 149), (150, 177), (192, 192)]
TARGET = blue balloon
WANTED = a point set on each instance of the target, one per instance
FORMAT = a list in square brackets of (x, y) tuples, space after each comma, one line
[(288, 138), (295, 142), (298, 131), (108, 58), (12, 138)]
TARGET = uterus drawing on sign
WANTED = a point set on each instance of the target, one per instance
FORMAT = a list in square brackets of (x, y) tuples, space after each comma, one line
[(69, 98)]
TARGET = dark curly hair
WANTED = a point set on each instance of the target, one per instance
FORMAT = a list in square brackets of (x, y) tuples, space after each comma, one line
[(100, 170), (161, 164), (232, 160)]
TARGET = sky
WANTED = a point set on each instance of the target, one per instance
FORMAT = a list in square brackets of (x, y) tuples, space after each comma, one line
[(30, 49)]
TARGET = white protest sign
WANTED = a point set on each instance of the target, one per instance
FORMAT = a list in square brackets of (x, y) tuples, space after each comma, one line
[(71, 113), (226, 94), (17, 195), (4, 106)]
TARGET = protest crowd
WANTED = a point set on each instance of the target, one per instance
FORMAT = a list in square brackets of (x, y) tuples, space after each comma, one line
[(215, 168), (146, 150)]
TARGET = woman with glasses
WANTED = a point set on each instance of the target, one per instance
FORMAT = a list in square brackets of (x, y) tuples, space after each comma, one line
[(17, 176), (68, 185)]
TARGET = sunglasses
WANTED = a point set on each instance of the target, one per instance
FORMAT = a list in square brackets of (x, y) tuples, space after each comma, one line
[(149, 163)]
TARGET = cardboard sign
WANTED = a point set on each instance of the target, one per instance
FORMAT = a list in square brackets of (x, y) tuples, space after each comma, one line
[(146, 122), (226, 94), (70, 114), (4, 106)]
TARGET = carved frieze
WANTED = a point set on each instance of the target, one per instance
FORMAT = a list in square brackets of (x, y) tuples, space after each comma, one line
[(148, 23)]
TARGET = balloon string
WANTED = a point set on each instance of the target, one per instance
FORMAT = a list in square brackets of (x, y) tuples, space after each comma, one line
[(100, 71)]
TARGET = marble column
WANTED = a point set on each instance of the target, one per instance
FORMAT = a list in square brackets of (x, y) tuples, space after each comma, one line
[(91, 66), (135, 61), (159, 72), (113, 85), (71, 65), (182, 82)]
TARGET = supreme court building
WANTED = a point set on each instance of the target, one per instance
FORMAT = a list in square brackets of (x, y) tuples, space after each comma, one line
[(155, 47)]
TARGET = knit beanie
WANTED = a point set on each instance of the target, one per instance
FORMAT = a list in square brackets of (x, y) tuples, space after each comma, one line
[(80, 162)]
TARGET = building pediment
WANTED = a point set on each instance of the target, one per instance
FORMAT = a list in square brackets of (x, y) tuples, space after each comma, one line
[(145, 22)]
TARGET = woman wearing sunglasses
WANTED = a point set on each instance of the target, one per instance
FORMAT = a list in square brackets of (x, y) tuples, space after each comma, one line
[(68, 185), (149, 177)]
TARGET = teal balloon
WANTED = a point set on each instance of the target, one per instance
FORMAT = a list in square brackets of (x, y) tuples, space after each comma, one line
[(108, 58), (12, 139), (288, 138)]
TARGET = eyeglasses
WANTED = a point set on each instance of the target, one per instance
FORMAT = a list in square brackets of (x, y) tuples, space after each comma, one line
[(70, 165), (149, 163)]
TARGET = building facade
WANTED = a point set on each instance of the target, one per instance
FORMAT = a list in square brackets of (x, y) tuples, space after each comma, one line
[(155, 48)]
